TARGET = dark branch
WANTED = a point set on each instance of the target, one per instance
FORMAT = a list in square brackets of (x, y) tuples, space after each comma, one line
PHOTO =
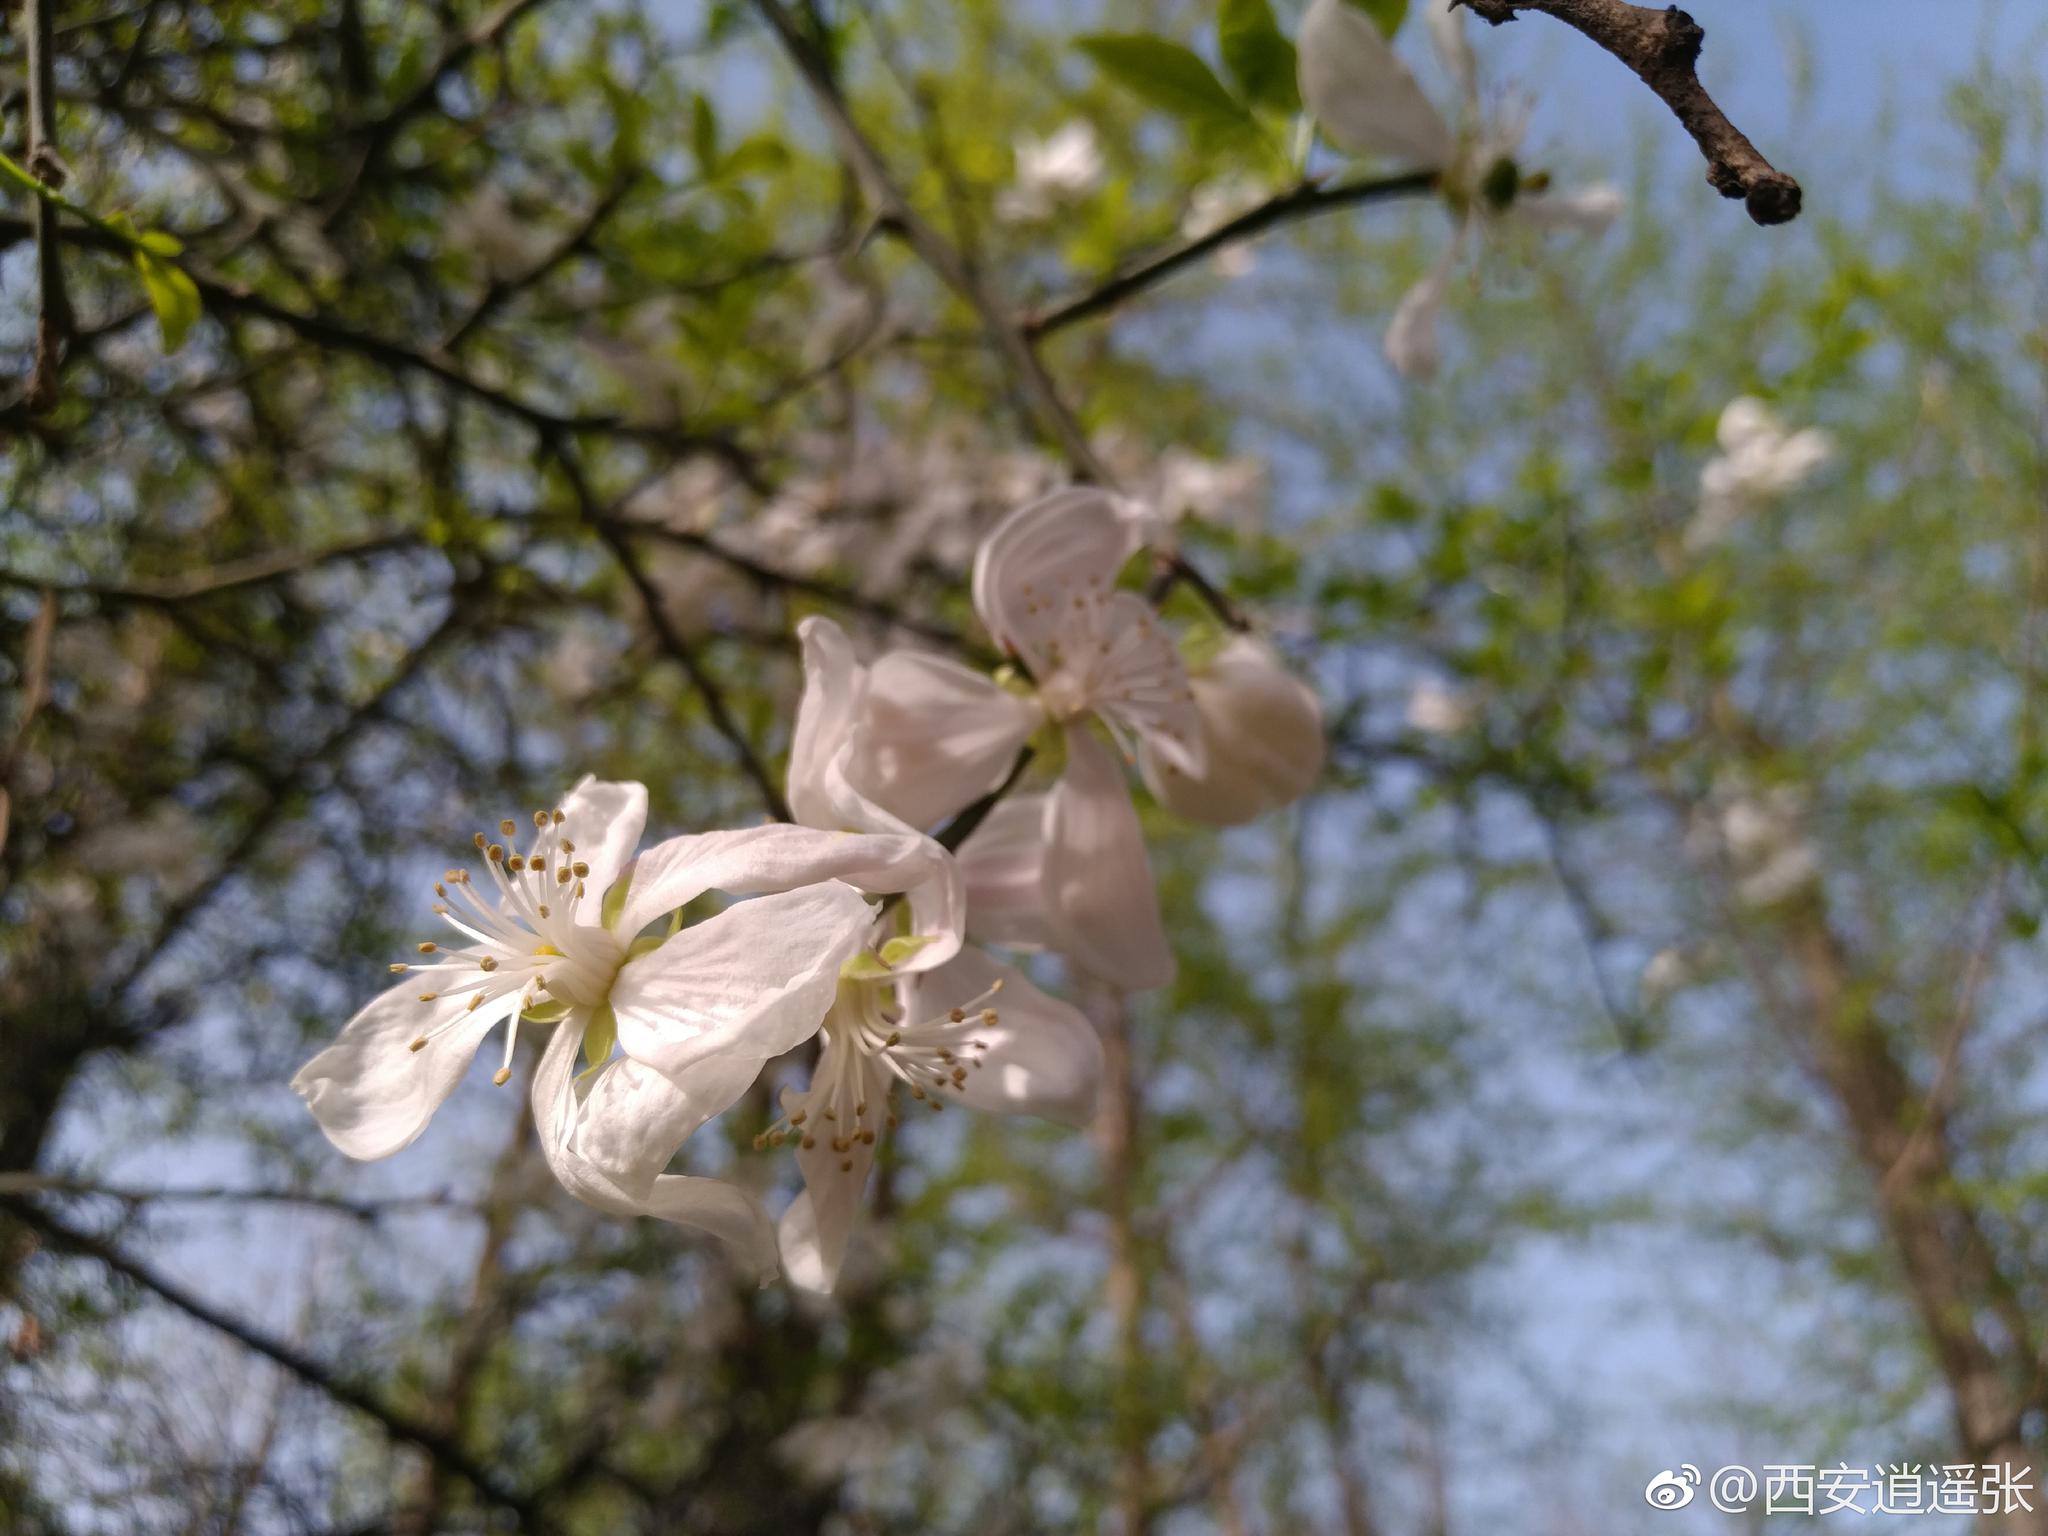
[(53, 319), (442, 1448), (1663, 48), (1302, 202)]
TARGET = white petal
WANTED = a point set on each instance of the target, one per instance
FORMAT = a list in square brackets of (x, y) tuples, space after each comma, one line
[(1583, 210), (607, 1137), (1264, 727), (1071, 540), (814, 1231), (758, 860), (604, 819), (634, 1119), (1043, 1057), (834, 684), (935, 736), (370, 1091), (754, 981), (1453, 47), (1003, 865), (1098, 880), (1412, 345), (1745, 420), (1360, 94)]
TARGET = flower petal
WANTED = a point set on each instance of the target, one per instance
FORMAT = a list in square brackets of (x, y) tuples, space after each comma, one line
[(1003, 867), (1098, 880), (1043, 1057), (1587, 210), (1264, 727), (834, 686), (370, 1091), (1137, 679), (604, 819), (757, 860), (1361, 94), (754, 981), (935, 736), (1412, 345), (1074, 539), (814, 1231), (1453, 47), (607, 1138)]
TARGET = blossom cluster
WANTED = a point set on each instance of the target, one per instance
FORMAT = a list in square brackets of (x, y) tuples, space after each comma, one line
[(855, 930)]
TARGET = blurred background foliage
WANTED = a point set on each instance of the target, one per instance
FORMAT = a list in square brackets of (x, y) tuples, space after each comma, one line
[(1629, 1057)]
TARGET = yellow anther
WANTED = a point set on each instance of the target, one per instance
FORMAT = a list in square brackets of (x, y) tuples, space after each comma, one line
[(487, 964), (419, 1044), (582, 869), (428, 997), (502, 1076), (426, 946), (399, 968), (508, 826)]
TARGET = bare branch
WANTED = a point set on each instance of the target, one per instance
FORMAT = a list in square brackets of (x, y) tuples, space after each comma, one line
[(1663, 48), (443, 1448), (1301, 202), (53, 320)]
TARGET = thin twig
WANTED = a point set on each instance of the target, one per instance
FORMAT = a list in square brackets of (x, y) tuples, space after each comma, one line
[(443, 1448), (34, 690), (53, 319), (1663, 48), (672, 639), (1302, 202), (931, 247)]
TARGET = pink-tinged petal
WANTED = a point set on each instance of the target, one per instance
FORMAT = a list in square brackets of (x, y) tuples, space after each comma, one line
[(1098, 880), (752, 982), (935, 736), (816, 1228), (1071, 541), (370, 1091), (1361, 94), (608, 1136), (1003, 866), (1265, 732), (1043, 1057), (760, 860), (1134, 678), (604, 819)]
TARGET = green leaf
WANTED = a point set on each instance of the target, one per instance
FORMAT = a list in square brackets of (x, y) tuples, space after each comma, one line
[(704, 134), (1258, 55), (1387, 15), (1171, 78), (172, 293)]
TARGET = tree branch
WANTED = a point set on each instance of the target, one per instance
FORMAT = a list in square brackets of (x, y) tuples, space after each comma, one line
[(1301, 202), (53, 320), (1663, 48), (441, 1447)]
